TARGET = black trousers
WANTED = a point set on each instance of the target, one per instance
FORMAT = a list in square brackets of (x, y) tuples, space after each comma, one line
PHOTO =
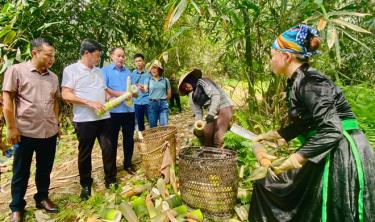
[(45, 150), (87, 133), (125, 122), (176, 97)]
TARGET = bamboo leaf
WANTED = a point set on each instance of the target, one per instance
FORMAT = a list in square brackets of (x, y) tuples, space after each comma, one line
[(165, 57), (196, 7), (331, 36), (175, 15), (18, 55), (313, 17), (356, 40), (318, 2), (4, 31), (338, 54), (6, 64), (321, 24), (212, 12), (46, 25), (343, 13), (168, 19), (350, 25)]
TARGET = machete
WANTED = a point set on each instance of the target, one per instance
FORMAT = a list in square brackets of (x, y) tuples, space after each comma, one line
[(236, 129)]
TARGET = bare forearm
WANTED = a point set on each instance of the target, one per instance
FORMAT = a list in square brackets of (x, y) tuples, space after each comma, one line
[(115, 93), (10, 118), (9, 112)]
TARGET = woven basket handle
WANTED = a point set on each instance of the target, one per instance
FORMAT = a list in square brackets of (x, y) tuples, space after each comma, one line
[(163, 147)]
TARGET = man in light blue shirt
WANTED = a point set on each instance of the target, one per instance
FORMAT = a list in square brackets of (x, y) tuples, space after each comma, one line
[(116, 76), (139, 77)]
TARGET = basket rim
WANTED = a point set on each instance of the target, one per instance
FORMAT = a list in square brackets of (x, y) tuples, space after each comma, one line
[(182, 154), (162, 146)]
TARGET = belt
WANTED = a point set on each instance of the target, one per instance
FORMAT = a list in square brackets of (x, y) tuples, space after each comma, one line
[(348, 124)]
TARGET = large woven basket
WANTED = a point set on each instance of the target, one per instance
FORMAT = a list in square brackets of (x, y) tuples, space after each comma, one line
[(153, 146), (208, 180)]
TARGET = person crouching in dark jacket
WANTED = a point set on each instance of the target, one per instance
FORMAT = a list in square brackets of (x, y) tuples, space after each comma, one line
[(207, 94)]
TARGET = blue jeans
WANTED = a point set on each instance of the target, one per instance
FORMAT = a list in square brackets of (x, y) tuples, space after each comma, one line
[(140, 113), (158, 110)]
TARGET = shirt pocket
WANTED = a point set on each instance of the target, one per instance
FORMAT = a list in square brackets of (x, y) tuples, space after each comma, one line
[(37, 97)]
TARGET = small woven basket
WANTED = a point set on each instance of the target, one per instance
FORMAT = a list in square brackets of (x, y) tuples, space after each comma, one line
[(209, 180), (153, 146)]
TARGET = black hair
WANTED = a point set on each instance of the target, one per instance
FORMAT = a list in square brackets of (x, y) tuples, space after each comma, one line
[(114, 49), (139, 55), (39, 42), (312, 43), (90, 45)]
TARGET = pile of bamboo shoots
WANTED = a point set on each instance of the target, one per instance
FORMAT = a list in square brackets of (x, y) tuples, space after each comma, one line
[(160, 202)]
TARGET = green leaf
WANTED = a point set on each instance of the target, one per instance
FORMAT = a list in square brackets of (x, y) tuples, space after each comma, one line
[(350, 25), (5, 8), (10, 37), (7, 63), (174, 15), (4, 31), (356, 40), (46, 25), (196, 7), (318, 2)]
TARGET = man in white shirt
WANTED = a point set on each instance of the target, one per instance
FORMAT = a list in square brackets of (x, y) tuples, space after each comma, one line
[(83, 86)]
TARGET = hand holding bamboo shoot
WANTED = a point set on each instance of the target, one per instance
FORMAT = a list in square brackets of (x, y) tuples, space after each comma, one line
[(117, 101)]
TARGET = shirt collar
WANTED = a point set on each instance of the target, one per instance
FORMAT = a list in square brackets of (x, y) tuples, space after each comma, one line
[(161, 78), (83, 66), (142, 72), (115, 67), (32, 68)]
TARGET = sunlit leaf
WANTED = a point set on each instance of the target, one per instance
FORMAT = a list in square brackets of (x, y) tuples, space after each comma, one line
[(196, 7), (343, 13), (46, 25), (321, 24), (165, 57), (318, 2), (331, 36), (174, 15), (18, 55), (350, 25), (338, 53), (356, 40), (9, 37)]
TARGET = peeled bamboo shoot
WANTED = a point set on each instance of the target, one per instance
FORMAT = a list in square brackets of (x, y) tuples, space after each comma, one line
[(117, 101), (128, 212), (128, 87)]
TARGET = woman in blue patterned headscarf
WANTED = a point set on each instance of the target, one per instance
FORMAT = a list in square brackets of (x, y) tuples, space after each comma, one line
[(332, 175)]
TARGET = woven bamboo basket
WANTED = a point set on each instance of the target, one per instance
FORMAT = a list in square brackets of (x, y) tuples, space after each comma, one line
[(209, 180), (153, 146)]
